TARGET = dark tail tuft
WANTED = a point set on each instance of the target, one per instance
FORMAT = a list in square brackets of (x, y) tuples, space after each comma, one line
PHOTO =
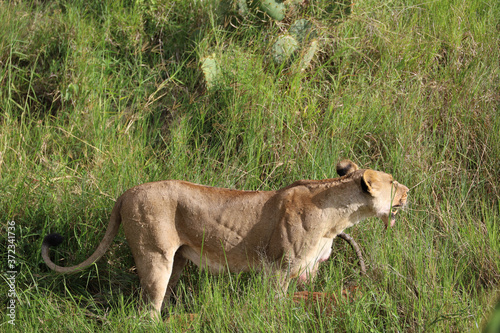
[(53, 239)]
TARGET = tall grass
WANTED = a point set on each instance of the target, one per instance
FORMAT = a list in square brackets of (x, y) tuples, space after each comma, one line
[(96, 97)]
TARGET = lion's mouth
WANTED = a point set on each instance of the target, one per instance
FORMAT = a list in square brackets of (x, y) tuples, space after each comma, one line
[(394, 211), (390, 219)]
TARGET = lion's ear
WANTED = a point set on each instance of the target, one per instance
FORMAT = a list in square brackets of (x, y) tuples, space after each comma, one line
[(370, 181), (346, 167)]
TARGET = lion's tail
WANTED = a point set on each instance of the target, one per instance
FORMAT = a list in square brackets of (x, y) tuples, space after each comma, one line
[(56, 239)]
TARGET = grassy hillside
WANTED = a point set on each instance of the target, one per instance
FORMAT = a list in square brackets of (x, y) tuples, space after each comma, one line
[(98, 96)]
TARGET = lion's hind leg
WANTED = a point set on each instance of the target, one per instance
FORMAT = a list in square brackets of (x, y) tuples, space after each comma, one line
[(179, 263), (154, 269)]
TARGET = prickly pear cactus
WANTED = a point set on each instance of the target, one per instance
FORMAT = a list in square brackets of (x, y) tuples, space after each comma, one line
[(302, 30), (284, 48), (300, 36), (274, 8), (242, 7), (211, 70), (308, 54), (227, 7)]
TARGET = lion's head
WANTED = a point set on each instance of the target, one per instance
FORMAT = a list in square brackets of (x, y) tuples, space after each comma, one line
[(387, 194)]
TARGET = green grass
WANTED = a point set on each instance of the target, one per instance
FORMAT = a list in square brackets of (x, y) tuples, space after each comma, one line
[(96, 97)]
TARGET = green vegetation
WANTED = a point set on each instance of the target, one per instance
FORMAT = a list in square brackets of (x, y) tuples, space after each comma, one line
[(98, 96)]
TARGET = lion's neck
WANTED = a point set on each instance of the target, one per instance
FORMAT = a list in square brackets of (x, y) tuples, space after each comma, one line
[(343, 205)]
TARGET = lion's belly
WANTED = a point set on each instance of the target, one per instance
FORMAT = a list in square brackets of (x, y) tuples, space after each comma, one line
[(217, 263)]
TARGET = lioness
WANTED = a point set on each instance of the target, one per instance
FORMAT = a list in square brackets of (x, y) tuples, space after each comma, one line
[(291, 230)]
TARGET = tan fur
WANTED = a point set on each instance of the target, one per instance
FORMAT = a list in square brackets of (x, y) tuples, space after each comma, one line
[(169, 222)]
